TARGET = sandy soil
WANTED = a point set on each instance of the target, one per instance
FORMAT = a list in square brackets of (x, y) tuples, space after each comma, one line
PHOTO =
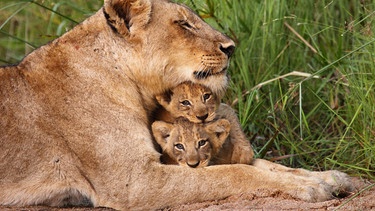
[(362, 199)]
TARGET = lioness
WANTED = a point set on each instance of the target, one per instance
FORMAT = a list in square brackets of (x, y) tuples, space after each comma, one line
[(74, 115), (198, 104), (190, 144)]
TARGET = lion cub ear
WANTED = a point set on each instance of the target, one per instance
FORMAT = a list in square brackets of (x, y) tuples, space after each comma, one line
[(127, 16), (165, 98), (161, 131), (221, 129)]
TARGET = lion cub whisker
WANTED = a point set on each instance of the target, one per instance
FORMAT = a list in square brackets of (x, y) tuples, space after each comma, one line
[(86, 141), (190, 144), (190, 113)]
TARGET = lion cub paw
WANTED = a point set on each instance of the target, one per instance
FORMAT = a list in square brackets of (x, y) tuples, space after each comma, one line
[(242, 154)]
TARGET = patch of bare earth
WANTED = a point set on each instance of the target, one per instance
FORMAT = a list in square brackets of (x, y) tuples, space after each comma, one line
[(362, 199)]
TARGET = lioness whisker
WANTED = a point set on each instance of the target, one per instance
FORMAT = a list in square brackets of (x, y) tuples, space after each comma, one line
[(88, 141)]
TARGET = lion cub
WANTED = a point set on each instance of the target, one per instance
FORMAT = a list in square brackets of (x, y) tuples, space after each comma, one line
[(192, 101), (190, 144), (198, 104)]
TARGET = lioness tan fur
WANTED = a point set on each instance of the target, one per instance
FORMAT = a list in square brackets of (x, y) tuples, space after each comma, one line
[(74, 116), (198, 104), (190, 144)]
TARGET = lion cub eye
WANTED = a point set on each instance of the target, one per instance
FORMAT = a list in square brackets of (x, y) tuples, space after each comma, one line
[(206, 96), (179, 146), (201, 143), (186, 103)]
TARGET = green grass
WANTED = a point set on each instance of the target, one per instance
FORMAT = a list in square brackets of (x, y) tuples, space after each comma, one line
[(27, 24), (321, 118)]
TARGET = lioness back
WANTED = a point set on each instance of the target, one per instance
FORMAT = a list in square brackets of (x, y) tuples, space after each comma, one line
[(198, 104), (190, 144), (74, 116), (74, 127)]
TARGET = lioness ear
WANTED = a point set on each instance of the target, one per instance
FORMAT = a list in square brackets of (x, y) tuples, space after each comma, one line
[(127, 16), (221, 129), (161, 131)]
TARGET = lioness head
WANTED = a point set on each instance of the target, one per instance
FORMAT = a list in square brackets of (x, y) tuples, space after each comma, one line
[(182, 46), (189, 144), (193, 101)]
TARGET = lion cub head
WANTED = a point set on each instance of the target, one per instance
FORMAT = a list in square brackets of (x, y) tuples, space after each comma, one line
[(192, 101), (189, 144)]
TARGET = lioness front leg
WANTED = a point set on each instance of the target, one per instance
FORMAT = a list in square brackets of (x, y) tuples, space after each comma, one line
[(220, 181), (339, 181)]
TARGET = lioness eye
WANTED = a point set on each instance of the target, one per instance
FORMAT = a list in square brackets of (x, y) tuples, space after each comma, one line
[(206, 96), (202, 143), (185, 103), (179, 146), (185, 24)]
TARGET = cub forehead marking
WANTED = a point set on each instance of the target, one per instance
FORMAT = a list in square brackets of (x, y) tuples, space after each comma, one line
[(189, 131), (192, 90)]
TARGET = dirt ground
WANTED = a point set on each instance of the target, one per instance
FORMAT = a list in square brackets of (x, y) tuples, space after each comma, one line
[(362, 199)]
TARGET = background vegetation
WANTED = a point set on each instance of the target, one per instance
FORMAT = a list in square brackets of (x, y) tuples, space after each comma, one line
[(303, 73)]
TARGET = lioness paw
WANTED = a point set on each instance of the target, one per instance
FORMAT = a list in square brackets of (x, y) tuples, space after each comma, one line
[(311, 189), (340, 182)]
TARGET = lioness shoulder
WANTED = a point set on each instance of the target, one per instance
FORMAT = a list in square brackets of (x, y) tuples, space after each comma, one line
[(74, 116)]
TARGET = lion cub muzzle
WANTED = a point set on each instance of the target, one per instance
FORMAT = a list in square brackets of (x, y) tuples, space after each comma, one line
[(190, 144)]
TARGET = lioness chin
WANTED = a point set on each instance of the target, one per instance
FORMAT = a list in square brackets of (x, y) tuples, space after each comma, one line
[(74, 116)]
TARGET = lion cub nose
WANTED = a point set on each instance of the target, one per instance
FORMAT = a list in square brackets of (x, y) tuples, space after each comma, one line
[(227, 48), (193, 165), (202, 118)]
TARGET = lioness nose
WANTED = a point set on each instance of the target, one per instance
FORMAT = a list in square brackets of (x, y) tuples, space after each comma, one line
[(227, 48), (202, 118)]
